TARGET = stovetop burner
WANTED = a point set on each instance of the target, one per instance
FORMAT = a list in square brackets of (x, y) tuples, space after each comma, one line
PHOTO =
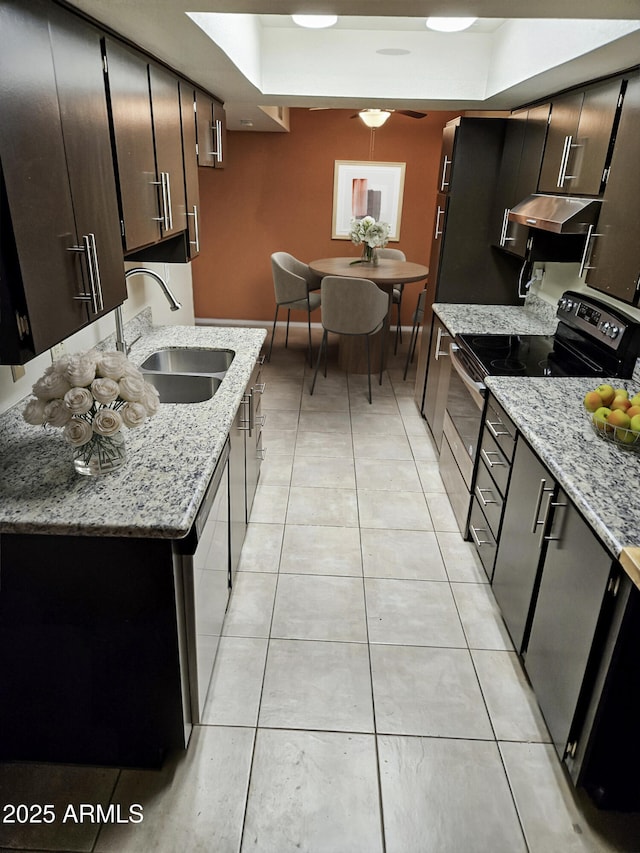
[(509, 355)]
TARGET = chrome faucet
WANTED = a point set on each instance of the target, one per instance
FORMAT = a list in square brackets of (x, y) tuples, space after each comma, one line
[(121, 344)]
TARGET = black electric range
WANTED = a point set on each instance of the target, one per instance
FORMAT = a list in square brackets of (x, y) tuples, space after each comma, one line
[(592, 339)]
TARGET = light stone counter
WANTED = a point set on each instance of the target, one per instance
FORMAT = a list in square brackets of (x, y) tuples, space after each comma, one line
[(535, 317), (170, 459), (601, 479)]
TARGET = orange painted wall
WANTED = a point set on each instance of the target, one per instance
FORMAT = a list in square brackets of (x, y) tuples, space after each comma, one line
[(276, 194)]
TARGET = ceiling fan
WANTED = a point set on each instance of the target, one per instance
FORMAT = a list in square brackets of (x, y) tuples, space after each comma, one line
[(372, 112), (375, 118)]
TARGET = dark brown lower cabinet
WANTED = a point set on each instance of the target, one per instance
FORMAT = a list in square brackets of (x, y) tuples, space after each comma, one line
[(515, 575), (563, 644)]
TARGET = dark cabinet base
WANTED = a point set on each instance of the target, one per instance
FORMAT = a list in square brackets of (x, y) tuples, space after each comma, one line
[(89, 663)]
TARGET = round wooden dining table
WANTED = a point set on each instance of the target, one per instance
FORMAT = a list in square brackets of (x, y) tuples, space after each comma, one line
[(386, 273)]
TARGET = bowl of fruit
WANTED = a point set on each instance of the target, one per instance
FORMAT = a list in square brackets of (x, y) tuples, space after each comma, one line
[(614, 415)]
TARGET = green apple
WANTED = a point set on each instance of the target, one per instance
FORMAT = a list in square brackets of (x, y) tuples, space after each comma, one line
[(635, 423), (600, 417), (622, 392), (635, 400), (607, 393)]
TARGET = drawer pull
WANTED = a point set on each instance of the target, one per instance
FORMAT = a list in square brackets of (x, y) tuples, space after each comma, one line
[(487, 453), (492, 426), (474, 535), (485, 501)]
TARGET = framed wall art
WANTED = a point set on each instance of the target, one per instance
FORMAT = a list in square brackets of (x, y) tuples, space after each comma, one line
[(363, 188)]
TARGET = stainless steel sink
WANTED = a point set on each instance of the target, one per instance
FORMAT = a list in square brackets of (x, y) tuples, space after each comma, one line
[(203, 362), (183, 388)]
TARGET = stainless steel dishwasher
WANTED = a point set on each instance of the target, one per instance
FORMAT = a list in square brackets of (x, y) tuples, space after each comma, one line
[(202, 569)]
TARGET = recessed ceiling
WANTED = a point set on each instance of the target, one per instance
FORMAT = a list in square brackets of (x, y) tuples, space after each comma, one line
[(257, 56)]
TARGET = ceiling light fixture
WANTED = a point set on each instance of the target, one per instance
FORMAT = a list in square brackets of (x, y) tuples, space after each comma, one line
[(374, 118), (315, 22), (450, 25)]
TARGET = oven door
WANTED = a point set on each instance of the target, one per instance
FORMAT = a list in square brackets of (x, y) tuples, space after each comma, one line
[(462, 430)]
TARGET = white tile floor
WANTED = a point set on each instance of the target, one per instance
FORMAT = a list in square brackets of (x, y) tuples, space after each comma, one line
[(366, 696)]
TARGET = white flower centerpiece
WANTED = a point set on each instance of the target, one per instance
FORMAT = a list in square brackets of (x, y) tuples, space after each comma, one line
[(371, 235), (91, 396)]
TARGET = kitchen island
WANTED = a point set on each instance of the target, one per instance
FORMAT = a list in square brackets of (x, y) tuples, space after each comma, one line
[(114, 587)]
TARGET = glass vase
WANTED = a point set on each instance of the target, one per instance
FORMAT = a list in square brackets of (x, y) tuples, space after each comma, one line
[(369, 255), (101, 455)]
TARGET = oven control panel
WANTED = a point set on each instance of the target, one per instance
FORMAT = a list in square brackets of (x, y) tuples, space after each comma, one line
[(595, 318)]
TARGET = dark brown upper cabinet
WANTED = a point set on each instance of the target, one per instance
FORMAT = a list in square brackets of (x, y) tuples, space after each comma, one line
[(579, 139), (62, 264), (190, 158), (211, 131), (614, 265), (145, 111), (518, 178)]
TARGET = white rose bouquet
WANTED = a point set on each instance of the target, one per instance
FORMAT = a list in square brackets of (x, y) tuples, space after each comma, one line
[(91, 396), (371, 235)]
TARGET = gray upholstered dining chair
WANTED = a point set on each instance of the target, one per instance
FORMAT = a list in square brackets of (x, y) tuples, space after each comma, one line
[(418, 317), (352, 306), (293, 283), (396, 294)]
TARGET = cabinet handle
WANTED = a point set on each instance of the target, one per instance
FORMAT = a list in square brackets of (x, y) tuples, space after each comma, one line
[(487, 453), (482, 498), (259, 388), (563, 162), (196, 228), (260, 420), (163, 201), (474, 535), (217, 151), (544, 538), (261, 358), (97, 299), (438, 233), (443, 182), (244, 424), (440, 352), (542, 488), (588, 248), (169, 208), (492, 427), (88, 249), (505, 228)]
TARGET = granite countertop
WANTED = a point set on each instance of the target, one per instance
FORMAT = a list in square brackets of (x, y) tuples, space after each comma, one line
[(600, 478), (535, 317), (170, 459)]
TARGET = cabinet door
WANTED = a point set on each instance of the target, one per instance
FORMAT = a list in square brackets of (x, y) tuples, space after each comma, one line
[(578, 140), (446, 155), (190, 160), (565, 114), (614, 266), (435, 397), (597, 117), (133, 134), (506, 188), (531, 489), (205, 129), (85, 126), (165, 108), (35, 174), (574, 580), (531, 133)]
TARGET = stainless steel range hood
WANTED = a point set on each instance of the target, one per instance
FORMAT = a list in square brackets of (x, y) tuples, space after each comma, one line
[(557, 213)]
